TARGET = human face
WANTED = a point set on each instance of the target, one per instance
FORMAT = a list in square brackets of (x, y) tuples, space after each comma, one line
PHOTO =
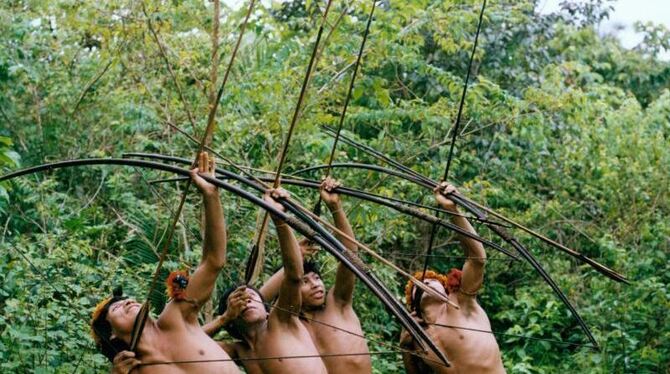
[(254, 311), (312, 290), (121, 316)]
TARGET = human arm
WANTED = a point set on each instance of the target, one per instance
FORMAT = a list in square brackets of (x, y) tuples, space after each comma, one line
[(237, 301), (270, 288), (289, 300), (345, 280), (473, 268), (212, 327), (201, 282), (414, 365)]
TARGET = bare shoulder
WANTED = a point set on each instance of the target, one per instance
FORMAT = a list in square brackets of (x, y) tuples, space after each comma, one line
[(471, 310), (337, 307), (176, 314), (276, 323), (468, 300)]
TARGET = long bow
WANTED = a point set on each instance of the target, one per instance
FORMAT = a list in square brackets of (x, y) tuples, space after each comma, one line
[(300, 222)]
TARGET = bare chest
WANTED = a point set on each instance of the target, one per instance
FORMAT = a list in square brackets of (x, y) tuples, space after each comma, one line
[(467, 342), (173, 348), (339, 339), (286, 351)]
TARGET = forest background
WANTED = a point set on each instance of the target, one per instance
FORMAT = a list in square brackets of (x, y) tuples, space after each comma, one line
[(563, 130)]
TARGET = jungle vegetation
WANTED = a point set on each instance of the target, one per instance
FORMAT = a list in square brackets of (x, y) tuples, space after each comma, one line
[(563, 130)]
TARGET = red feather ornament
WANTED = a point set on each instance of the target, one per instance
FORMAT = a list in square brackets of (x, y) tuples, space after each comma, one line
[(176, 284)]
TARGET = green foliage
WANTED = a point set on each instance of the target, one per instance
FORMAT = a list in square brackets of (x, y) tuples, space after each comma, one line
[(8, 159), (564, 131)]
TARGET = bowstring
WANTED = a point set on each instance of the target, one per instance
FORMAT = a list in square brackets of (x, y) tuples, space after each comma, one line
[(397, 349), (302, 316), (248, 359), (340, 188), (513, 335)]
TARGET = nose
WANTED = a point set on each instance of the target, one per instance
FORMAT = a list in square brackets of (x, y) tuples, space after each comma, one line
[(250, 296)]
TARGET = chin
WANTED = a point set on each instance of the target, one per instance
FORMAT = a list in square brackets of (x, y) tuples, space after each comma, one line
[(255, 318), (315, 305)]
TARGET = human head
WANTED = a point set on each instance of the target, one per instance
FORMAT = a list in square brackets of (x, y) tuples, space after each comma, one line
[(111, 318), (449, 283), (255, 311), (312, 289)]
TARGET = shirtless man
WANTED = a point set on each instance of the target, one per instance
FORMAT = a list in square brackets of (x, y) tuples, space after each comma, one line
[(335, 307), (468, 351), (176, 334), (279, 333)]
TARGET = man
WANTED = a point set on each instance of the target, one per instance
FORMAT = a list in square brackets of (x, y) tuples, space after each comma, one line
[(268, 341), (176, 335), (334, 308), (468, 351)]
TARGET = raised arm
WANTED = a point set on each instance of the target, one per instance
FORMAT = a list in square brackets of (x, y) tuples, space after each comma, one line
[(345, 280), (237, 301), (201, 283), (473, 268), (290, 300), (270, 288)]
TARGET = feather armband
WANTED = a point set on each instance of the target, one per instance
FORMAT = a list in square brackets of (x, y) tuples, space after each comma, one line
[(176, 284)]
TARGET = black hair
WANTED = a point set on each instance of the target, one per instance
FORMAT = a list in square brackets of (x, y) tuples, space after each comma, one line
[(310, 266), (102, 329), (232, 328)]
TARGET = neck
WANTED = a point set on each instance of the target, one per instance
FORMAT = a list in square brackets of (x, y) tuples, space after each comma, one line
[(309, 312), (432, 310), (148, 337), (253, 331)]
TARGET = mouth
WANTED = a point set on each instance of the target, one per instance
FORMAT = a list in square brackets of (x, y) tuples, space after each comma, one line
[(318, 294), (131, 306)]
